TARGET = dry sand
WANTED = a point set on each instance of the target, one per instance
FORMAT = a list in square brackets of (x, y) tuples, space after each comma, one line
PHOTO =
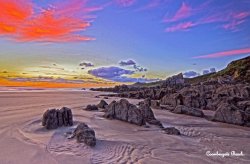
[(23, 140)]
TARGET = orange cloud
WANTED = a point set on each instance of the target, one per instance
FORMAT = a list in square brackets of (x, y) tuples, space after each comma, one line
[(8, 83), (12, 14), (23, 21), (226, 53)]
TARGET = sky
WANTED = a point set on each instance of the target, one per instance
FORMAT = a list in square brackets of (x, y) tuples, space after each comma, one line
[(101, 43)]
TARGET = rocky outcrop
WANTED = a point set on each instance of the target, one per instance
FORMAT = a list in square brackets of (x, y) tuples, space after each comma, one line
[(54, 118), (171, 131), (174, 81), (233, 112), (152, 103), (181, 109), (91, 108), (123, 110), (103, 104), (148, 115), (85, 134)]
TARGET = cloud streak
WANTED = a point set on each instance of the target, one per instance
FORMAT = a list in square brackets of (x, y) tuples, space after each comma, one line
[(225, 53), (125, 3), (86, 64), (183, 12), (187, 17), (181, 27)]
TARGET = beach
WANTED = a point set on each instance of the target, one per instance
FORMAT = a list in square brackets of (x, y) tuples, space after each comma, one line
[(24, 140)]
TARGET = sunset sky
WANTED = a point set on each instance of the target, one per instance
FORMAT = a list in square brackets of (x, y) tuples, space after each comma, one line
[(96, 43)]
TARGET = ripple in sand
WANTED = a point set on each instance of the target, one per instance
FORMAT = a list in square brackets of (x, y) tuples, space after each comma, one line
[(105, 151)]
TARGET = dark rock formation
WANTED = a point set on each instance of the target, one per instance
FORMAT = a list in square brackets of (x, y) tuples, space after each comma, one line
[(181, 109), (91, 108), (54, 118), (233, 112), (152, 103), (123, 110), (103, 104), (174, 81), (171, 131), (148, 115), (85, 134), (155, 104)]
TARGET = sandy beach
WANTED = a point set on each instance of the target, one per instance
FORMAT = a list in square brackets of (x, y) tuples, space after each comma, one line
[(24, 140)]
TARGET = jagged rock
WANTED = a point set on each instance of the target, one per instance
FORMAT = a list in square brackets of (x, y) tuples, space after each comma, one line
[(85, 134), (171, 131), (155, 104), (103, 104), (229, 113), (91, 108), (181, 109), (97, 96), (54, 118), (148, 115), (176, 80), (123, 110)]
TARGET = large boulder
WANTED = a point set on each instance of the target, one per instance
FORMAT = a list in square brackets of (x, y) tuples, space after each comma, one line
[(123, 110), (54, 118), (233, 111), (103, 104), (85, 134), (229, 113), (148, 115), (181, 109)]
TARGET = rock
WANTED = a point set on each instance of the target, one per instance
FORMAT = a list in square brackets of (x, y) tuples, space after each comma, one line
[(91, 108), (181, 109), (147, 101), (85, 134), (54, 118), (229, 113), (106, 97), (103, 104), (123, 110), (155, 104), (97, 96), (149, 115), (174, 80), (171, 131)]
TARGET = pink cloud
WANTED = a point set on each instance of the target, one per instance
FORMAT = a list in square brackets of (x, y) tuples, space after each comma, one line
[(233, 25), (229, 20), (125, 3), (181, 27), (203, 14), (152, 4), (226, 53), (183, 12), (60, 22)]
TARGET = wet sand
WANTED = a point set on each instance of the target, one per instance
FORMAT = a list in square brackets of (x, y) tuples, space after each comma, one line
[(23, 139)]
